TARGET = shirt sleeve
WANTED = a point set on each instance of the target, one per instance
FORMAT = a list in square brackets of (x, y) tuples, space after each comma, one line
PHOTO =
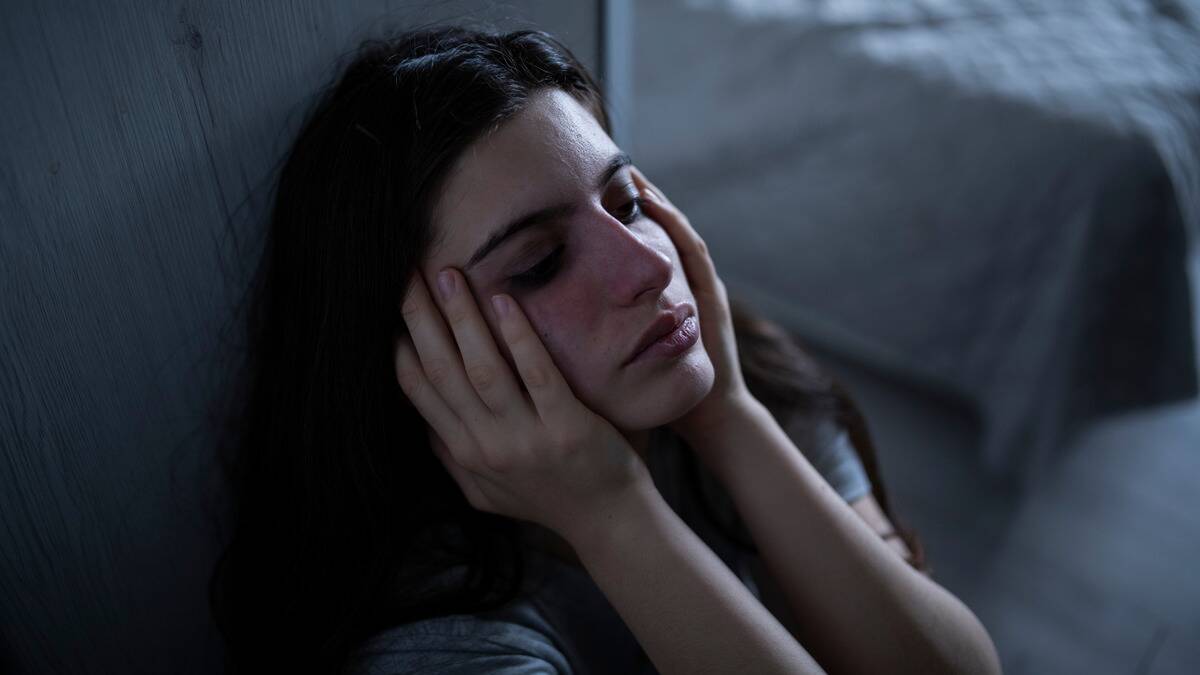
[(834, 457), (460, 645)]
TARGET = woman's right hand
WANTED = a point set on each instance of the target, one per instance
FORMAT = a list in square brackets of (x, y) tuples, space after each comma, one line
[(537, 454)]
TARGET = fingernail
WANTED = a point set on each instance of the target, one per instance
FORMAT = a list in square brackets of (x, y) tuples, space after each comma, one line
[(446, 284), (500, 304)]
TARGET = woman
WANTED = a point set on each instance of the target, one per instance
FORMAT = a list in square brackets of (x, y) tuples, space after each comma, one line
[(475, 480)]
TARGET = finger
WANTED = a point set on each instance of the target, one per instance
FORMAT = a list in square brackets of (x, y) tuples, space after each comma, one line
[(550, 393), (412, 380), (440, 358), (693, 251), (486, 370), (686, 238)]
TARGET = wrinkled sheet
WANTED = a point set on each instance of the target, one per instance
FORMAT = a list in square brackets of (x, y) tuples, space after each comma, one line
[(988, 198)]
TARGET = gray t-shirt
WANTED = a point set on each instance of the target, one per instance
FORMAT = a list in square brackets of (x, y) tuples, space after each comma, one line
[(562, 623)]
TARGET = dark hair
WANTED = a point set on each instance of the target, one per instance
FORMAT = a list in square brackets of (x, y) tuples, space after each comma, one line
[(341, 513)]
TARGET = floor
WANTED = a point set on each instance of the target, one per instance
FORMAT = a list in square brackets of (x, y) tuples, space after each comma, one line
[(1092, 569)]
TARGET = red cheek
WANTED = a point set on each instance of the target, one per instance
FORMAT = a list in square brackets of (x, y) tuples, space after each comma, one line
[(566, 320)]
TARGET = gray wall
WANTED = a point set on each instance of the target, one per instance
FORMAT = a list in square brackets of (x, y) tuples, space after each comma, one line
[(136, 144)]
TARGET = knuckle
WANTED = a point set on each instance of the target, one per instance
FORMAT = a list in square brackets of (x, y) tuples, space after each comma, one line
[(542, 444), (474, 463), (410, 380), (410, 311), (438, 371), (567, 428), (455, 313), (565, 439), (516, 338), (498, 460), (475, 499), (482, 376), (537, 377), (525, 446), (469, 461)]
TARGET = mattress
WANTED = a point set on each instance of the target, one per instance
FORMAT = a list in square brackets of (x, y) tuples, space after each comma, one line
[(996, 199)]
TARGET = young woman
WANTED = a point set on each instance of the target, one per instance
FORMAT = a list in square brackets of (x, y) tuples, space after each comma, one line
[(499, 414)]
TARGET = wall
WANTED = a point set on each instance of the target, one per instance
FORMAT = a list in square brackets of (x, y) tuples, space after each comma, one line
[(135, 151)]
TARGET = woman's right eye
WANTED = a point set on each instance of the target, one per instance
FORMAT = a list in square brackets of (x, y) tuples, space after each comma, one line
[(539, 274)]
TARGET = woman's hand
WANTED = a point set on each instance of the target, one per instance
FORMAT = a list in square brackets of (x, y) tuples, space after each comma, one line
[(540, 456), (729, 396)]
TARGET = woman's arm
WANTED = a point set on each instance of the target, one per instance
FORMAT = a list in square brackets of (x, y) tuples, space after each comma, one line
[(868, 509), (859, 606), (863, 609), (771, 594), (686, 608), (550, 460)]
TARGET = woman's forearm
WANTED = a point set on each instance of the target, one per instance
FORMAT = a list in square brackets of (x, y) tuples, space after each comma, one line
[(687, 609), (862, 608)]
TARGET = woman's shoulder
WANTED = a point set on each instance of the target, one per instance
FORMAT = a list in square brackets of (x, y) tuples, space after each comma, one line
[(516, 643), (827, 446)]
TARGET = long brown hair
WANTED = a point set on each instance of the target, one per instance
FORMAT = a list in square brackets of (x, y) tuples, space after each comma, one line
[(341, 514)]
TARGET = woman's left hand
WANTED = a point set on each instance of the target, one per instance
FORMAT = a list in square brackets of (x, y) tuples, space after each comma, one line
[(729, 394)]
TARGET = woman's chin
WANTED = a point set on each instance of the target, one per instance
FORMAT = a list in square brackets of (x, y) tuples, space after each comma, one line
[(667, 397)]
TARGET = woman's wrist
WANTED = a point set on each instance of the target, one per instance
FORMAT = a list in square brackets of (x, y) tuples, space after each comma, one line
[(723, 442), (604, 524)]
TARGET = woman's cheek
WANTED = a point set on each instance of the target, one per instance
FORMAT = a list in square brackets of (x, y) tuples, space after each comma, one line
[(659, 239), (560, 320), (669, 249)]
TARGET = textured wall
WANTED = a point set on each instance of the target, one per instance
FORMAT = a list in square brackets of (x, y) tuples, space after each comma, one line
[(136, 144)]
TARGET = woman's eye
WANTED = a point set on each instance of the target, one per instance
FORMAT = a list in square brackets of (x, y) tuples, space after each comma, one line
[(540, 273), (633, 210)]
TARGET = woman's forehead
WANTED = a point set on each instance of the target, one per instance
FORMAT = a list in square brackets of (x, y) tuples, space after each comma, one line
[(545, 154)]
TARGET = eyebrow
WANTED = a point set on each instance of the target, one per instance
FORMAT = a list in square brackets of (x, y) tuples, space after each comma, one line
[(544, 215)]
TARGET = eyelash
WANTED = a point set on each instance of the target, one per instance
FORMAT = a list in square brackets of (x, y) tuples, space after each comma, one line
[(541, 273)]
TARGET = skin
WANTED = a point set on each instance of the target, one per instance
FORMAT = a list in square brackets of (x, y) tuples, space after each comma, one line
[(614, 278), (561, 464)]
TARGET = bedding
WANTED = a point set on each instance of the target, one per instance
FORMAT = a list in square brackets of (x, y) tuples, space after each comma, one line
[(995, 199)]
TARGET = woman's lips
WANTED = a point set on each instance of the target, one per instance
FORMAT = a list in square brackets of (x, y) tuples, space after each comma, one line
[(674, 342), (662, 324)]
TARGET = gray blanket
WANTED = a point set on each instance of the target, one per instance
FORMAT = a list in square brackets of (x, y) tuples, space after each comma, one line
[(991, 198)]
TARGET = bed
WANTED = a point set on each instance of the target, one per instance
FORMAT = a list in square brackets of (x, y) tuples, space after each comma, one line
[(993, 199)]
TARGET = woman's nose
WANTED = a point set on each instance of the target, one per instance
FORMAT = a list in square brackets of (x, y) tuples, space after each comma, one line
[(630, 265)]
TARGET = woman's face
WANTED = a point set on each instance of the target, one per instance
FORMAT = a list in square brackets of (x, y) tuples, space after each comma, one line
[(591, 277)]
